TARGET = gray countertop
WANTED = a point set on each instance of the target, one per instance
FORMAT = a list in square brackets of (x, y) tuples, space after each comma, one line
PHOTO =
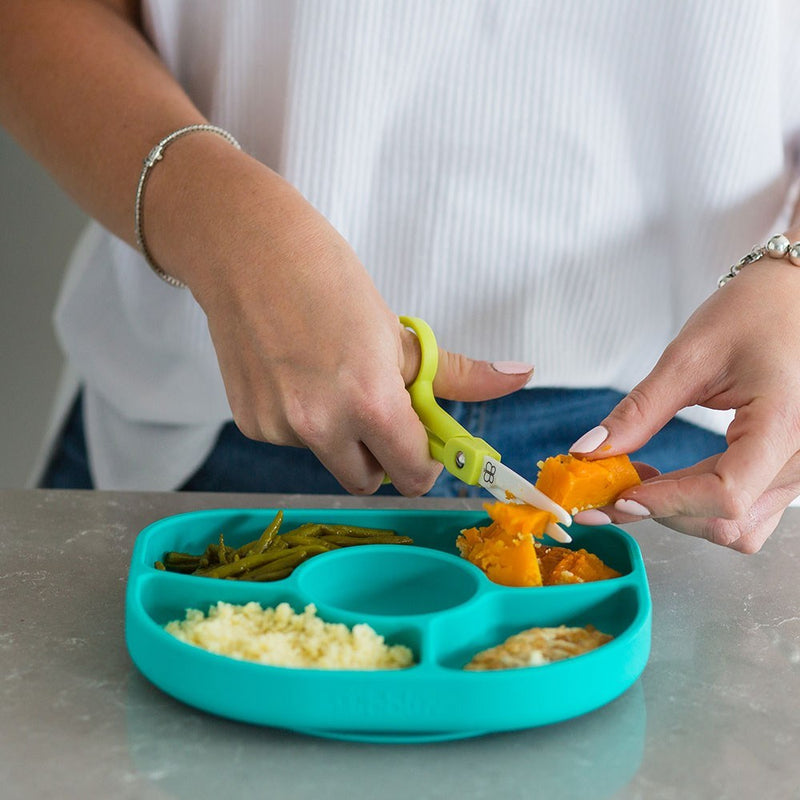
[(716, 713)]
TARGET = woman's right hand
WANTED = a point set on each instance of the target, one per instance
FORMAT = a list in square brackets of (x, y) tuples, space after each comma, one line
[(310, 353)]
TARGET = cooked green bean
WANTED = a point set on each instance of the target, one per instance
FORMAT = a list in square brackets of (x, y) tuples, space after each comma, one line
[(265, 577), (241, 565), (265, 540), (298, 540), (344, 541), (291, 559), (274, 555), (353, 530), (221, 555)]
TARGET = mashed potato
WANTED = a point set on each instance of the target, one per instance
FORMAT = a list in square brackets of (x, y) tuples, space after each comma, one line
[(280, 637)]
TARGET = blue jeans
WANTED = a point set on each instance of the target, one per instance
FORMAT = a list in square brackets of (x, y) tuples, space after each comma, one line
[(524, 428)]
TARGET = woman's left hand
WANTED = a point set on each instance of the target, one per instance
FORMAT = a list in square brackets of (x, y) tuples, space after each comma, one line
[(740, 350)]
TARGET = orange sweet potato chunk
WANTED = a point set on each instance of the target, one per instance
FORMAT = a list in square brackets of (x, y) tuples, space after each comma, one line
[(561, 565), (514, 559), (577, 484), (506, 558), (520, 517)]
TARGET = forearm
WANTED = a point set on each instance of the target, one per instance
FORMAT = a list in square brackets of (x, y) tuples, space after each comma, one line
[(83, 92)]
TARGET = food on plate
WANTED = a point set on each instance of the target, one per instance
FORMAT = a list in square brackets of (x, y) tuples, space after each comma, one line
[(560, 565), (280, 637), (516, 559), (539, 646), (274, 555), (506, 558), (577, 484)]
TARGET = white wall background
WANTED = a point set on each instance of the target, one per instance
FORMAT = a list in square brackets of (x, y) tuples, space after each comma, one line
[(38, 227)]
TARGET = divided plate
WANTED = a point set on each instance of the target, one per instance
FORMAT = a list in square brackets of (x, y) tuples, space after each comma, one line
[(424, 596)]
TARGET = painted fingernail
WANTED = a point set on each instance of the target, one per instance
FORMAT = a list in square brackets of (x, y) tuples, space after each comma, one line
[(632, 507), (512, 367), (592, 516), (590, 440)]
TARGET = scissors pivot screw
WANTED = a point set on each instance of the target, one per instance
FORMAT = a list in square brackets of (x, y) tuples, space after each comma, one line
[(460, 459)]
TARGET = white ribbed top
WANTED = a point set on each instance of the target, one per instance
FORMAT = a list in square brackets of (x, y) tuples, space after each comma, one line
[(558, 182)]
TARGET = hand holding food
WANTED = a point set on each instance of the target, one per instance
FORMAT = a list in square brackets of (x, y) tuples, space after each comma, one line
[(738, 351)]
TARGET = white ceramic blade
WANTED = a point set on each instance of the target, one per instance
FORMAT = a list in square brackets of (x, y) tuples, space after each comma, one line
[(498, 479)]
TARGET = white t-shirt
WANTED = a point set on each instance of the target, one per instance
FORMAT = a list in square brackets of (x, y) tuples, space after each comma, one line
[(558, 182)]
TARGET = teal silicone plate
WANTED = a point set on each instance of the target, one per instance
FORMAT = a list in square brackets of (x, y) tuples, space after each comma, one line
[(423, 596)]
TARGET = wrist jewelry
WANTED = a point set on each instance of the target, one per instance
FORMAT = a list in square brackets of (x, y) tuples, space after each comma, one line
[(153, 157), (777, 246)]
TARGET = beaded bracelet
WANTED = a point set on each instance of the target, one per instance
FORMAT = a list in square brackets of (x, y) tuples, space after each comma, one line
[(777, 246), (153, 157)]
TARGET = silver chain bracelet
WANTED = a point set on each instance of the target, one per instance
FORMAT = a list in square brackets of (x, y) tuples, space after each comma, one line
[(153, 157), (777, 246)]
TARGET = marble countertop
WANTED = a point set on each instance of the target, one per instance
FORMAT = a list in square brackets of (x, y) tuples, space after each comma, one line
[(716, 713)]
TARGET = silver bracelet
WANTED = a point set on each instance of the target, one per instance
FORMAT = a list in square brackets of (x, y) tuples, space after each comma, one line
[(777, 246), (153, 157)]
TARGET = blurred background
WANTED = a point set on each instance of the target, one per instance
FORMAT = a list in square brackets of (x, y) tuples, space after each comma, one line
[(39, 225)]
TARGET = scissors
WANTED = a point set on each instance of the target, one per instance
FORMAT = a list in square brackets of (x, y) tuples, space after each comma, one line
[(470, 459)]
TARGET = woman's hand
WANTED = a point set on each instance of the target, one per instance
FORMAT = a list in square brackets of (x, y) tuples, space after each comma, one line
[(310, 353), (740, 350)]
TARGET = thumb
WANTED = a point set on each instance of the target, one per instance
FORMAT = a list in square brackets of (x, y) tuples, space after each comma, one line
[(646, 409), (461, 378)]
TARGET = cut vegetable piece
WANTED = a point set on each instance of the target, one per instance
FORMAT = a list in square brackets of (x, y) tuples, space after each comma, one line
[(515, 559), (520, 518), (506, 558), (561, 565), (577, 484)]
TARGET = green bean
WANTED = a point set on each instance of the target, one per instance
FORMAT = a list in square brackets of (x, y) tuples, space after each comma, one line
[(353, 530), (291, 559), (242, 565), (221, 556), (345, 541), (295, 540), (306, 529), (266, 538), (268, 576), (178, 557), (180, 562), (274, 555)]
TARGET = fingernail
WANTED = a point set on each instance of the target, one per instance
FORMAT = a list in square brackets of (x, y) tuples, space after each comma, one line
[(590, 441), (512, 367), (632, 507), (592, 516)]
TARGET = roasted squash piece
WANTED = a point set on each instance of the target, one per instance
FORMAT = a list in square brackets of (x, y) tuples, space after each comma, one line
[(561, 565), (514, 559), (505, 557), (577, 484), (520, 517)]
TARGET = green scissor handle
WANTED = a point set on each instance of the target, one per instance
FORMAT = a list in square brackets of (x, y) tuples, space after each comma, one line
[(450, 442)]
